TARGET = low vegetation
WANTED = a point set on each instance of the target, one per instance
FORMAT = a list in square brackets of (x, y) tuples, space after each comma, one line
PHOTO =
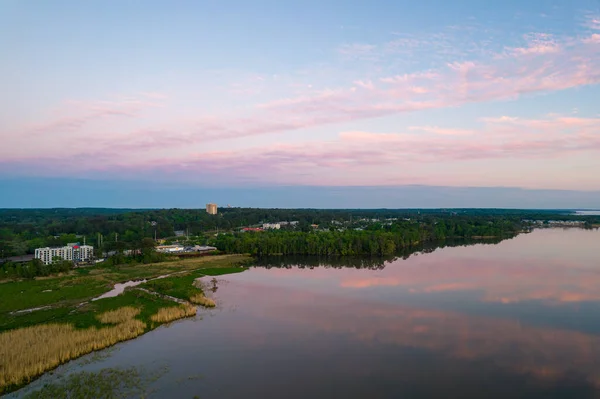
[(37, 341), (169, 314), (30, 351), (200, 299), (121, 315), (182, 286), (62, 292), (105, 383)]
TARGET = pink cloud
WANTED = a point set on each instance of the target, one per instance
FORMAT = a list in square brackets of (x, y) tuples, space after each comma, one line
[(458, 83), (349, 155), (365, 84), (442, 131), (536, 44), (76, 114), (592, 22), (593, 39), (412, 77), (372, 137), (507, 77), (544, 63)]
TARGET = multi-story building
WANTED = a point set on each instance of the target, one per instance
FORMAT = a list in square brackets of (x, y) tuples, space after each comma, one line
[(211, 209), (71, 252), (83, 253)]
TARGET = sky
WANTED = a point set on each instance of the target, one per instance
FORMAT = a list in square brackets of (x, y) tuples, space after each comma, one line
[(398, 103)]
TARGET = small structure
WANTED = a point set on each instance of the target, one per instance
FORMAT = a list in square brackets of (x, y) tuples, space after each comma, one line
[(201, 248), (252, 229), (168, 249), (292, 223)]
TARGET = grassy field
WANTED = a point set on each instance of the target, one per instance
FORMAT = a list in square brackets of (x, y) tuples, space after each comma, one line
[(34, 342), (84, 284)]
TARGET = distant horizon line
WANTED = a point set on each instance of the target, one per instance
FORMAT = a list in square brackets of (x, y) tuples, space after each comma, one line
[(309, 208)]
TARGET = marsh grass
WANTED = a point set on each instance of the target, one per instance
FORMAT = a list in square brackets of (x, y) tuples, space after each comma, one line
[(32, 343), (200, 299), (118, 316), (28, 352), (166, 315)]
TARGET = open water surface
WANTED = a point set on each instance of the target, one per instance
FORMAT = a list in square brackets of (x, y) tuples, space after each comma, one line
[(517, 319)]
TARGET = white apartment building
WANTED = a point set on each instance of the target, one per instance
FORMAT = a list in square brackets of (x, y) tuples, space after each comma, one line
[(83, 253), (73, 253)]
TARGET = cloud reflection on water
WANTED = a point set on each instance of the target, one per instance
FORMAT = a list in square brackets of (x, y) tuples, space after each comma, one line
[(545, 352)]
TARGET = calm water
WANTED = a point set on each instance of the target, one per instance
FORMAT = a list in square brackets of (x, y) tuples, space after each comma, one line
[(517, 319)]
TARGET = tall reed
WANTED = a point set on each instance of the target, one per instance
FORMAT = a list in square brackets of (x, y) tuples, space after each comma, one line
[(200, 299), (28, 352), (118, 316), (166, 315)]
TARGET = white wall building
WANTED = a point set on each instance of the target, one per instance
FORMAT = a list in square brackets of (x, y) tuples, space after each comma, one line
[(293, 223), (73, 253), (275, 226), (170, 248), (83, 253)]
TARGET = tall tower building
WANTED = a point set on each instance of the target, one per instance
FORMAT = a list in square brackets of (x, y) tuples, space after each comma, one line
[(211, 209)]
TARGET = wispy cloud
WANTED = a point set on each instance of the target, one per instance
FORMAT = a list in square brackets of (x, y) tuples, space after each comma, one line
[(349, 155), (536, 44), (442, 131), (359, 50), (593, 39), (472, 72), (76, 114), (592, 21)]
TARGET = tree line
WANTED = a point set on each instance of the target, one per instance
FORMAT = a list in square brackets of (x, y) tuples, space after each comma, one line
[(362, 262), (143, 252), (378, 240), (23, 230)]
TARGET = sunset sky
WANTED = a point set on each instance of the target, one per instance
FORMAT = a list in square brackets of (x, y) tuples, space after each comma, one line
[(260, 95)]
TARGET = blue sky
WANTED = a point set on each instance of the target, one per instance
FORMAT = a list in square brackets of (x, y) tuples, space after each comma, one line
[(238, 94)]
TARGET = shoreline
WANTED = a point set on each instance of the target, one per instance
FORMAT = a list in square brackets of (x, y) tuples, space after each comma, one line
[(34, 343)]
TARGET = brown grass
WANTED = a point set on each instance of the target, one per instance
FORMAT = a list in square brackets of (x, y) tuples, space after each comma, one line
[(118, 316), (200, 299), (28, 352), (166, 315)]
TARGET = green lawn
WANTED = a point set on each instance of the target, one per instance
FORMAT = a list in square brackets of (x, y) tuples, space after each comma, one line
[(27, 294), (85, 316)]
